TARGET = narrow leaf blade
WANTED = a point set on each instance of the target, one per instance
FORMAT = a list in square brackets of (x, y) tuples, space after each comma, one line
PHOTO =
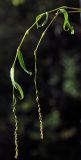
[(18, 87), (22, 64), (44, 22), (66, 25), (15, 84), (12, 76)]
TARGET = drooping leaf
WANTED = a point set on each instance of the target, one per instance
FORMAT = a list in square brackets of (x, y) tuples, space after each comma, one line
[(66, 25), (12, 76), (22, 64), (44, 22), (16, 85)]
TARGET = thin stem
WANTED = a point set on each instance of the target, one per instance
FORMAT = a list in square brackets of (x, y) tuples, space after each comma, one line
[(15, 133), (22, 40), (16, 126), (37, 100), (73, 8), (44, 32), (51, 11), (74, 11), (35, 77), (26, 33), (65, 7)]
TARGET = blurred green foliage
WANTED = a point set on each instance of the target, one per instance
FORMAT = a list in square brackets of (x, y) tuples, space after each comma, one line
[(70, 73), (17, 2)]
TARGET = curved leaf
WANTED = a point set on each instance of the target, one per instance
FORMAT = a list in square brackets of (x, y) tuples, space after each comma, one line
[(15, 84), (12, 76), (39, 17), (22, 64), (66, 25), (18, 87)]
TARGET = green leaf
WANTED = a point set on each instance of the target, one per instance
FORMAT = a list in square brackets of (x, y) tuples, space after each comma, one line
[(16, 85), (66, 25), (12, 76), (22, 64), (39, 17)]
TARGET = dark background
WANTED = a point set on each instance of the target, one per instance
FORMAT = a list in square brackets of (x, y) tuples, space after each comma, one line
[(58, 79)]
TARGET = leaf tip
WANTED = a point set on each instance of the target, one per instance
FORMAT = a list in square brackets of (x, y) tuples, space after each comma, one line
[(72, 30), (30, 73)]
